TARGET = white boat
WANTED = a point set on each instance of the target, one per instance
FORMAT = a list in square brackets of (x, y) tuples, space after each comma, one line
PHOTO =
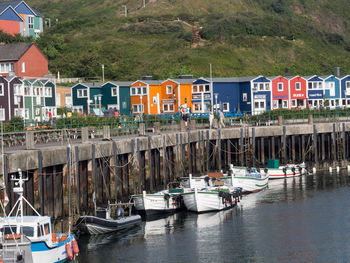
[(250, 180), (166, 201), (289, 170), (170, 200), (210, 199), (46, 246)]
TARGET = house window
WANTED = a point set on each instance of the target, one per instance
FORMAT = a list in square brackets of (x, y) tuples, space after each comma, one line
[(23, 67), (2, 114), (144, 89), (114, 92), (168, 107), (245, 97), (197, 107), (280, 86), (113, 106), (267, 86), (347, 84), (275, 104), (6, 67), (137, 108), (31, 22), (1, 89), (331, 87), (255, 86), (294, 103), (297, 86), (133, 91), (21, 112), (78, 109), (207, 88), (17, 89), (261, 86), (225, 107), (169, 90), (194, 89), (82, 93), (285, 103)]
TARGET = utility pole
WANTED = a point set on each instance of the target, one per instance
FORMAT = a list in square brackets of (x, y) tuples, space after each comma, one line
[(103, 73), (125, 11)]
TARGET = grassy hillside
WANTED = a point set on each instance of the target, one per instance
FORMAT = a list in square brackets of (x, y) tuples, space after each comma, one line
[(237, 37)]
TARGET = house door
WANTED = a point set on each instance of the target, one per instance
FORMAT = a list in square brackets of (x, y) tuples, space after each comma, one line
[(259, 106)]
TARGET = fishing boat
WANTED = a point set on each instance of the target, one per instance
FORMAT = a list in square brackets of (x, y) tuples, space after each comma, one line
[(211, 199), (170, 200), (288, 170), (251, 180), (15, 249), (103, 223), (46, 246)]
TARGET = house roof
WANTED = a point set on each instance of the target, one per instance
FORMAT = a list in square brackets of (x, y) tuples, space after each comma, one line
[(13, 52), (15, 3), (182, 81), (120, 83)]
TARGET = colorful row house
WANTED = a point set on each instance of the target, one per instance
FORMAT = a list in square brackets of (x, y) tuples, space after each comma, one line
[(31, 99), (17, 17)]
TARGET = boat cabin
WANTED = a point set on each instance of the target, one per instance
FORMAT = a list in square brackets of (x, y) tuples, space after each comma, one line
[(36, 228)]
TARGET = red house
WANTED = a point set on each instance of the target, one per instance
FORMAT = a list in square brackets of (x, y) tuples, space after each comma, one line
[(280, 93), (24, 59), (298, 92)]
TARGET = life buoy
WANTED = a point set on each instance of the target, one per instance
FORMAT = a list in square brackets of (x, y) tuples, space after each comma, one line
[(75, 247), (69, 251), (12, 236), (54, 237), (62, 238)]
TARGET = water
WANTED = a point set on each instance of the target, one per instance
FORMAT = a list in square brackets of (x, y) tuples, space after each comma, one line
[(304, 219)]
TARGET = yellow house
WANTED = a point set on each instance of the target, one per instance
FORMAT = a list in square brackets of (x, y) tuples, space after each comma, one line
[(63, 97)]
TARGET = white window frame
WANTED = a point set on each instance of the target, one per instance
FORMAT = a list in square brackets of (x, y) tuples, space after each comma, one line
[(227, 104), (167, 105), (275, 104), (17, 90), (294, 103), (30, 22), (114, 92), (195, 89), (331, 87), (199, 104), (347, 85), (113, 106), (297, 85), (78, 109), (244, 96), (169, 90), (2, 114), (139, 108), (283, 102), (278, 86), (80, 93), (23, 67), (2, 87), (205, 88)]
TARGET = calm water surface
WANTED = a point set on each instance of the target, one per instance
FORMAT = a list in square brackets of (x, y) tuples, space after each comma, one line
[(304, 219)]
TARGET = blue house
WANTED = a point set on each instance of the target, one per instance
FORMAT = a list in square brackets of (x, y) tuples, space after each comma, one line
[(226, 94), (345, 90), (202, 95), (86, 97), (315, 92), (332, 92)]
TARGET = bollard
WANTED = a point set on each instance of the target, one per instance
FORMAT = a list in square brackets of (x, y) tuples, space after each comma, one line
[(338, 169), (30, 140), (314, 170), (142, 129), (330, 169), (183, 126), (156, 127), (106, 133), (85, 134), (348, 168)]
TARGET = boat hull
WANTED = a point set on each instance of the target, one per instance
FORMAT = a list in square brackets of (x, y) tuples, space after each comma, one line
[(279, 173), (151, 204), (93, 225), (201, 202), (250, 184), (43, 253)]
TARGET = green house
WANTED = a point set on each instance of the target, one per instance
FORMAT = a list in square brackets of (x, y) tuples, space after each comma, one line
[(34, 99), (86, 97), (116, 95)]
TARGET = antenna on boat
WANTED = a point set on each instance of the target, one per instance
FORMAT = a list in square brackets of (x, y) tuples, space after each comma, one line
[(18, 189)]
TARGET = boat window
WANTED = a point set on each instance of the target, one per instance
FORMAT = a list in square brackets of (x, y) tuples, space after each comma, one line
[(47, 229), (39, 231), (7, 230), (28, 231)]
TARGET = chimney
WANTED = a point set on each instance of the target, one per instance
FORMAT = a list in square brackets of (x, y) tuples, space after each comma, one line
[(186, 76), (337, 71), (287, 72), (146, 77)]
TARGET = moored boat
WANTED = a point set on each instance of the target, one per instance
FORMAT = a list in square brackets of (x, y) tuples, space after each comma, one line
[(102, 223), (46, 246), (210, 199), (251, 180), (286, 171)]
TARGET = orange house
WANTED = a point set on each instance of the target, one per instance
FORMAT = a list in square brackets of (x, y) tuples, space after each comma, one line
[(184, 93), (140, 93)]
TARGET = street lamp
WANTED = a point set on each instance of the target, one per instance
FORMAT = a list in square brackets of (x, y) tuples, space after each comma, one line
[(216, 102)]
